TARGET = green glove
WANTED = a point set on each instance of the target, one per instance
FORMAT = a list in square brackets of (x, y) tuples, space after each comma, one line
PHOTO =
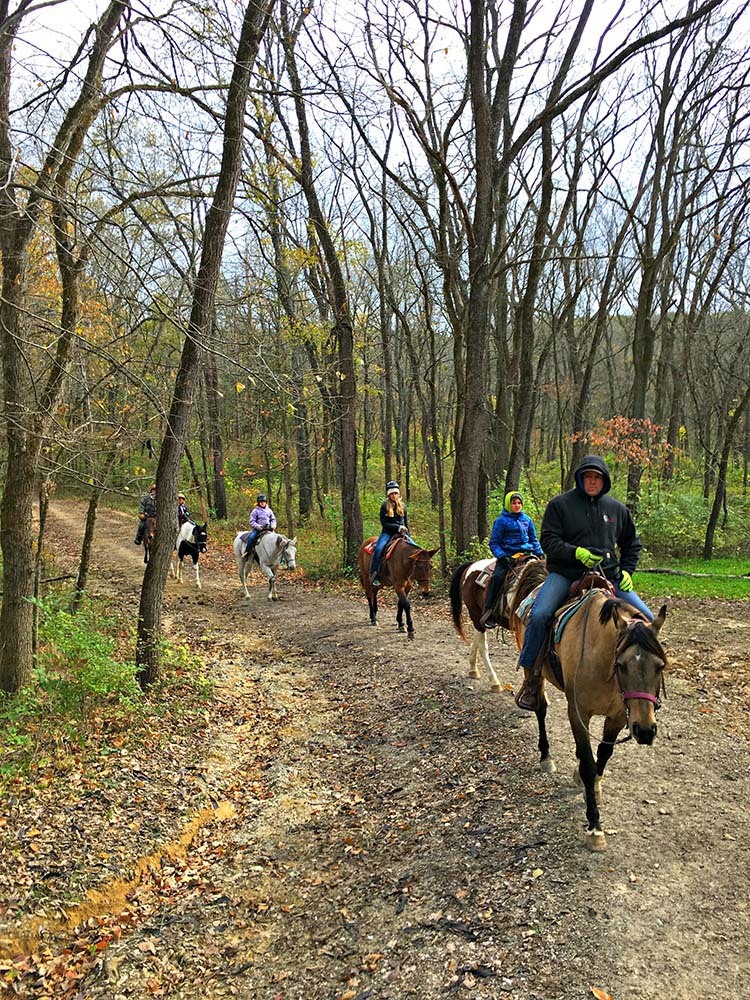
[(588, 559), (626, 581)]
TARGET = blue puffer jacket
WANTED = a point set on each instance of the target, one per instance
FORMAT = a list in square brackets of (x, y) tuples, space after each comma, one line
[(513, 533)]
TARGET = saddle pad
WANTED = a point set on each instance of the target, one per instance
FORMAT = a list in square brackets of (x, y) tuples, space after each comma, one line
[(244, 536), (370, 548), (524, 608), (566, 612)]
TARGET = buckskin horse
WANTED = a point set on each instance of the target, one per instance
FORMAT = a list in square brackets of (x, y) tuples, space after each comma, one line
[(403, 562), (466, 591), (612, 664)]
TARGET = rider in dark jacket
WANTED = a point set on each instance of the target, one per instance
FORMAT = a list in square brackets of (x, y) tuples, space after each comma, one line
[(394, 521), (146, 509), (581, 529)]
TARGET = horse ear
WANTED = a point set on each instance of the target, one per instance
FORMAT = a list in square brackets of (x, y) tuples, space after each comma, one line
[(293, 541), (430, 552), (657, 623), (620, 621)]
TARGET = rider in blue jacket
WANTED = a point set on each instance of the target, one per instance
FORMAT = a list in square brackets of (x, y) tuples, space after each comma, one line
[(512, 533)]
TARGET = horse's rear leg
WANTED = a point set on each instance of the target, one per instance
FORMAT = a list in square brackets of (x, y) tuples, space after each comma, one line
[(479, 646), (242, 573), (595, 839)]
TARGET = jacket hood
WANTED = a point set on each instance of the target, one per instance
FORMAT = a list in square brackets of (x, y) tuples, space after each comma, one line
[(508, 498), (597, 464)]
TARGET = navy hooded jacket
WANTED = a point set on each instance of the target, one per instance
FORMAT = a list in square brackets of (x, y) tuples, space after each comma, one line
[(599, 523)]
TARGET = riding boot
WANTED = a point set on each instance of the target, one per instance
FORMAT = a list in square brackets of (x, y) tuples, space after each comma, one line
[(488, 618), (529, 695)]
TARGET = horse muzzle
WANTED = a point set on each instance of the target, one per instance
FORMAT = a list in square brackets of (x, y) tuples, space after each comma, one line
[(644, 734)]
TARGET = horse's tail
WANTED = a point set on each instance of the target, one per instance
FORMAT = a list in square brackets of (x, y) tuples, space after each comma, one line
[(456, 598)]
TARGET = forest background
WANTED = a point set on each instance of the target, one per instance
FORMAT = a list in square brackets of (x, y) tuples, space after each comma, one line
[(304, 249)]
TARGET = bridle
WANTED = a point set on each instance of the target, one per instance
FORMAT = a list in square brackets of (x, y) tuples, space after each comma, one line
[(624, 640)]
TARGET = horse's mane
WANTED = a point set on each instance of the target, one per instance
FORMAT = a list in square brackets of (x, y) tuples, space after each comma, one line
[(638, 633), (532, 574)]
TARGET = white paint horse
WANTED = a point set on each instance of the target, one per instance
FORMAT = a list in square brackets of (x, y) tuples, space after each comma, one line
[(191, 541), (271, 550)]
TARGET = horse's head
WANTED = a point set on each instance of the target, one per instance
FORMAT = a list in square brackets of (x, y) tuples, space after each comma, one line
[(289, 552), (200, 536), (639, 671), (423, 569)]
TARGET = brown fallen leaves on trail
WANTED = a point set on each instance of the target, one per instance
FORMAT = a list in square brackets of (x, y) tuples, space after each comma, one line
[(601, 994)]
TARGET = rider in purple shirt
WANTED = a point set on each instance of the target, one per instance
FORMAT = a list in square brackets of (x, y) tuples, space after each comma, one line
[(262, 518)]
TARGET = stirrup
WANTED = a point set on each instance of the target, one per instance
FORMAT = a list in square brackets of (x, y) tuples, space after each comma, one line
[(488, 619), (529, 695)]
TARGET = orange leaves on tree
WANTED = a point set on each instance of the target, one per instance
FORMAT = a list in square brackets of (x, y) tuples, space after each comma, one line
[(631, 440)]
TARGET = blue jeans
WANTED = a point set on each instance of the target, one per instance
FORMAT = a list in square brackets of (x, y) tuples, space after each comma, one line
[(378, 551), (552, 596), (251, 539)]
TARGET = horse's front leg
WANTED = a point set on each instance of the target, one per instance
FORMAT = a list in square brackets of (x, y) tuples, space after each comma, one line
[(179, 570), (404, 607), (372, 602), (271, 581), (579, 722), (172, 570), (198, 575), (546, 764)]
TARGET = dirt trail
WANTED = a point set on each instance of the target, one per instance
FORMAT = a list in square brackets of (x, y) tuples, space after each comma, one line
[(390, 834)]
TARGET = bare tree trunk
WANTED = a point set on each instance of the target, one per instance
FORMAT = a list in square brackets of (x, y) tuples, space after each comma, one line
[(216, 441), (29, 408), (255, 22)]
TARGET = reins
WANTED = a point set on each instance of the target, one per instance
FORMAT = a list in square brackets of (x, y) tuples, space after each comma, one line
[(622, 643)]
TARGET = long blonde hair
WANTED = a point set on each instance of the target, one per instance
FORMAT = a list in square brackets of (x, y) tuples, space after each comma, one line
[(395, 508)]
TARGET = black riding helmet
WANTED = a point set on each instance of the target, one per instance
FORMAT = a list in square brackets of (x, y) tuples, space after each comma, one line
[(262, 498)]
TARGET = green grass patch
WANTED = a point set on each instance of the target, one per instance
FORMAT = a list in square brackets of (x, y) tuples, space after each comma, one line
[(83, 704), (722, 578)]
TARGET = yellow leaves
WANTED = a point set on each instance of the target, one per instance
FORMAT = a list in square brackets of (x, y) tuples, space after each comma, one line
[(239, 387), (601, 994)]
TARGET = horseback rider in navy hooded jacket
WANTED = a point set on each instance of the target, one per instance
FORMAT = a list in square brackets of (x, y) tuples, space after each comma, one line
[(580, 530)]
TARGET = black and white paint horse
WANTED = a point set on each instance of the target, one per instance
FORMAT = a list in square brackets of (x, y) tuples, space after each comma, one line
[(271, 551), (191, 541)]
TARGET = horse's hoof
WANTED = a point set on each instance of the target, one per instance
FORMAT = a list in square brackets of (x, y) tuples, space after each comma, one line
[(547, 766), (411, 634), (402, 628), (495, 687), (596, 841), (373, 621)]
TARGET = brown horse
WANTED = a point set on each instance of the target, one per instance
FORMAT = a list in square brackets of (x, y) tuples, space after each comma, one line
[(402, 564), (466, 591), (611, 664), (148, 537)]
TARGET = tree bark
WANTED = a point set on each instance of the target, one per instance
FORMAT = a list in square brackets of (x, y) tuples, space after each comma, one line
[(255, 22)]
